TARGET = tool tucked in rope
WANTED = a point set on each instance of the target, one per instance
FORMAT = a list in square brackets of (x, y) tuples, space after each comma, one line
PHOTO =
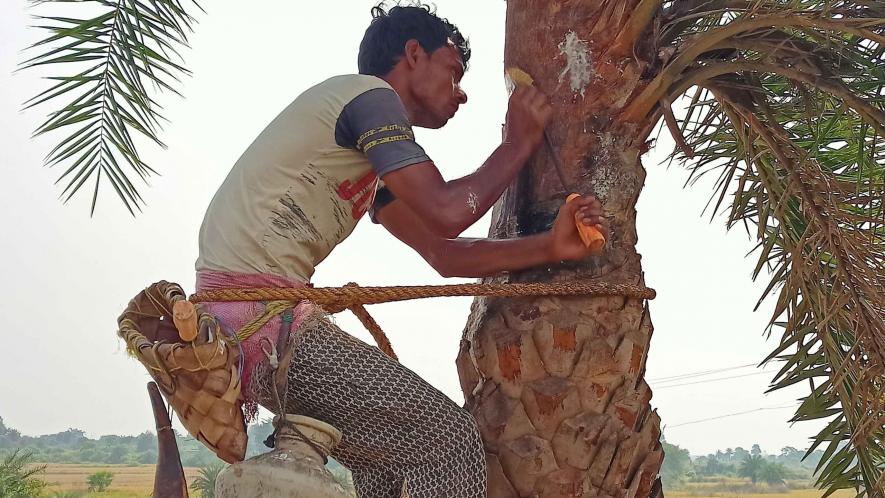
[(353, 297)]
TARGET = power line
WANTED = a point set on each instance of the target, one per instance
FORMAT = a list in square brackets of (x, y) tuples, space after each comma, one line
[(766, 408), (657, 388), (700, 373)]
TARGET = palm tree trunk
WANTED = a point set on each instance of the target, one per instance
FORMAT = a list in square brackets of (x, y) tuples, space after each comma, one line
[(556, 385)]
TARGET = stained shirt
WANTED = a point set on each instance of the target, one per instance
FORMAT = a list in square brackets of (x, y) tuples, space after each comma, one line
[(301, 187)]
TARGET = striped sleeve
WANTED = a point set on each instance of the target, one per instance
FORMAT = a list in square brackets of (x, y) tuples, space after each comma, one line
[(375, 123)]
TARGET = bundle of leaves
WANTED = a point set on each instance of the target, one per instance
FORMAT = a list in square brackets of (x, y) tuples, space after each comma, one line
[(18, 476), (100, 481), (785, 106), (204, 483)]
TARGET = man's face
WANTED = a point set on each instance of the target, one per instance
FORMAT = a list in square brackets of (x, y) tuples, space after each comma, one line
[(437, 86)]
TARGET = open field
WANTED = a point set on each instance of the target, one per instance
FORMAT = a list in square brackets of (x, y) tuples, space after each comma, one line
[(794, 493), (742, 488), (137, 482), (129, 481)]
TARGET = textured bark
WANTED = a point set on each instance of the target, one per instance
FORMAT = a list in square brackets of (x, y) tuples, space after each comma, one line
[(556, 385)]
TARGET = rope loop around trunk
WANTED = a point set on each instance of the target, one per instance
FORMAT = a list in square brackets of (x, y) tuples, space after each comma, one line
[(338, 298), (354, 297)]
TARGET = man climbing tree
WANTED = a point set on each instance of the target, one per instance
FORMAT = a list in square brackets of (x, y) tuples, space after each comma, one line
[(784, 105), (344, 148)]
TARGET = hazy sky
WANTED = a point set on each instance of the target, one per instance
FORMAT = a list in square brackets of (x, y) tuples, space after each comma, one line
[(68, 276)]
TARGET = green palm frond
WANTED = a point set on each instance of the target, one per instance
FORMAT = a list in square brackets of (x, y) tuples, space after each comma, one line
[(787, 107), (204, 483), (114, 61), (19, 476)]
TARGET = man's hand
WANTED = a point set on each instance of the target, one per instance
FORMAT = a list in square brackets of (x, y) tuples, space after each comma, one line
[(528, 114), (565, 242), (449, 207)]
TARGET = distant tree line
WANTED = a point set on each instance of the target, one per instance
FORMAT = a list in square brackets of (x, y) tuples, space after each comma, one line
[(72, 446), (790, 463)]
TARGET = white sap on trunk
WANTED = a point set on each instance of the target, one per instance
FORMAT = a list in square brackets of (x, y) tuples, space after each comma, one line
[(577, 60)]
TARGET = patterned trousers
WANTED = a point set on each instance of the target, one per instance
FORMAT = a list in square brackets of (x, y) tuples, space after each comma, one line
[(401, 436)]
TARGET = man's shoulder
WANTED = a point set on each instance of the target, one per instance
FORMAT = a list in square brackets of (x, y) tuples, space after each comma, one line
[(350, 86)]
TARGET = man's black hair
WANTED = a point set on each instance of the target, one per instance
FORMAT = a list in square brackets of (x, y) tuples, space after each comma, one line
[(385, 39)]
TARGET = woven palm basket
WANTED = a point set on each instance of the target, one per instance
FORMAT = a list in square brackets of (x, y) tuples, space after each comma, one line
[(199, 379)]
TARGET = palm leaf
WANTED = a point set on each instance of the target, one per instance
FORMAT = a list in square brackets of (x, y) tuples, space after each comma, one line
[(786, 106), (19, 476), (204, 483), (115, 61)]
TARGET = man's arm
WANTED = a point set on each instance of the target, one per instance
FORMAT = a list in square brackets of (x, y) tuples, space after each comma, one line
[(463, 257), (448, 208)]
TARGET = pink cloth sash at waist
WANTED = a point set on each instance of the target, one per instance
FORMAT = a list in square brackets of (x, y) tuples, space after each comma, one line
[(234, 315)]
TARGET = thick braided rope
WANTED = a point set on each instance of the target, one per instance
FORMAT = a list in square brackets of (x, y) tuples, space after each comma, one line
[(338, 298), (372, 326), (353, 297)]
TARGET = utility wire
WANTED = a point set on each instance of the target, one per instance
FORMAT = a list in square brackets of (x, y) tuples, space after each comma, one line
[(657, 388), (700, 373), (766, 408)]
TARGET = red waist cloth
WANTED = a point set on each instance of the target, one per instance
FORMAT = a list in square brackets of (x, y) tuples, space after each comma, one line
[(233, 315)]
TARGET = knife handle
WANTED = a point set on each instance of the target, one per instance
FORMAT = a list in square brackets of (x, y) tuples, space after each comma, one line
[(184, 316), (591, 236)]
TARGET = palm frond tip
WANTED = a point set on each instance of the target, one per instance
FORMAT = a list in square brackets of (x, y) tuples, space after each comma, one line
[(115, 60)]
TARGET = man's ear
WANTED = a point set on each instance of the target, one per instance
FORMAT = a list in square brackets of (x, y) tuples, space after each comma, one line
[(413, 52)]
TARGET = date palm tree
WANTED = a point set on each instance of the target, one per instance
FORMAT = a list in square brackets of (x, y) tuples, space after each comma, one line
[(785, 105), (753, 466), (781, 99)]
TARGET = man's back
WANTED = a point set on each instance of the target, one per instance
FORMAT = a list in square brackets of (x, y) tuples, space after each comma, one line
[(296, 192)]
